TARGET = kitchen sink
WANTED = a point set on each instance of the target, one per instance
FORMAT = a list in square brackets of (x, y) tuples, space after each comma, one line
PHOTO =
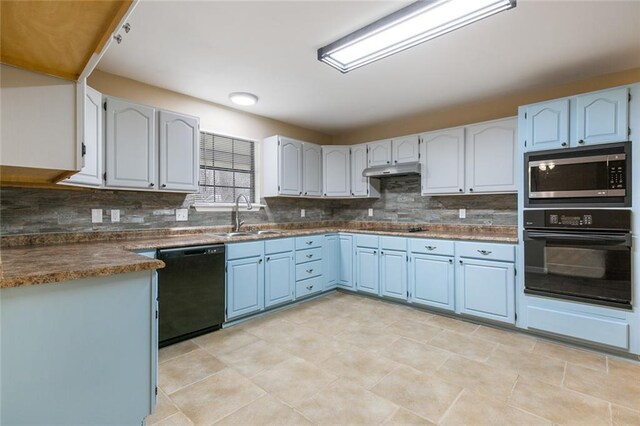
[(267, 232), (245, 233)]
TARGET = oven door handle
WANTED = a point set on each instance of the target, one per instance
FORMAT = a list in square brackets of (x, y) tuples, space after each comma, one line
[(618, 239)]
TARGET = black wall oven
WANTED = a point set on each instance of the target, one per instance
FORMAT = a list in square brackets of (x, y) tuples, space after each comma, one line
[(586, 176), (581, 255)]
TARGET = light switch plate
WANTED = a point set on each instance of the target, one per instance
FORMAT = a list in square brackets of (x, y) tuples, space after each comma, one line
[(303, 212), (182, 215), (370, 212), (115, 215), (462, 213), (96, 215)]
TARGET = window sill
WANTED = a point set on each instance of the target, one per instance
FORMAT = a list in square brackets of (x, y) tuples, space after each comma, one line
[(225, 207)]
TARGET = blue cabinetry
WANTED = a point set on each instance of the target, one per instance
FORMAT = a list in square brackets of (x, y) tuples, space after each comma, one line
[(547, 125), (345, 264), (309, 265), (279, 272), (602, 117), (432, 280), (367, 276), (393, 267), (245, 279), (331, 259)]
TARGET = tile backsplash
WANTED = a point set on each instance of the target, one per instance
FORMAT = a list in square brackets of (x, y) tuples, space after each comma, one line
[(27, 210)]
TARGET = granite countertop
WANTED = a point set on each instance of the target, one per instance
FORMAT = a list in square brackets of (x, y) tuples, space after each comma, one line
[(48, 258)]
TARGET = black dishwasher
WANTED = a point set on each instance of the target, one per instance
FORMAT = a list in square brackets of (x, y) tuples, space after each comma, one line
[(191, 292)]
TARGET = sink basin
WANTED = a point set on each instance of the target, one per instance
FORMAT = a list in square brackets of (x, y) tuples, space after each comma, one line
[(233, 234), (267, 232)]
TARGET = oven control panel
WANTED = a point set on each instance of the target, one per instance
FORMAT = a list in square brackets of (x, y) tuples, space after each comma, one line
[(571, 220), (602, 219), (616, 175)]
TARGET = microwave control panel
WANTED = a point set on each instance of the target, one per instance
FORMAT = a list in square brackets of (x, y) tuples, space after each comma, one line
[(616, 174)]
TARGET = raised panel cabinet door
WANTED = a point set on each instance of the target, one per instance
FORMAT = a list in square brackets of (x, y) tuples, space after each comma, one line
[(331, 259), (279, 278), (336, 162), (487, 289), (290, 167), (359, 183), (432, 281), (380, 153), (547, 125), (443, 162), (312, 170), (132, 156), (245, 286), (602, 117), (91, 172), (367, 273), (345, 264), (406, 149), (490, 157), (179, 138), (393, 274)]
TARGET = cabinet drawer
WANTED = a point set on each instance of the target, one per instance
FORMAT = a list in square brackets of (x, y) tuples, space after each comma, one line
[(393, 243), (242, 250), (307, 287), (310, 241), (308, 270), (279, 245), (427, 246), (308, 255), (489, 251), (367, 241)]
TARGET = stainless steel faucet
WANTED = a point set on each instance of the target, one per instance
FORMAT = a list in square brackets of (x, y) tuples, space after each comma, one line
[(239, 222)]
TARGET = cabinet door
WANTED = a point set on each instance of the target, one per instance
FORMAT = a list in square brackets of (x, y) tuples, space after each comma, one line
[(336, 172), (367, 273), (91, 172), (345, 266), (431, 281), (359, 183), (331, 259), (380, 153), (547, 125), (179, 138), (490, 157), (406, 149), (131, 145), (443, 162), (486, 289), (290, 167), (245, 286), (393, 274), (312, 170), (602, 117), (279, 278)]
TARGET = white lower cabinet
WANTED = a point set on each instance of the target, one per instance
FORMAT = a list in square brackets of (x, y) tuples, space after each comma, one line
[(432, 281)]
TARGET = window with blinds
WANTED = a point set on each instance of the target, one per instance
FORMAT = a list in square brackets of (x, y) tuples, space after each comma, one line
[(227, 169)]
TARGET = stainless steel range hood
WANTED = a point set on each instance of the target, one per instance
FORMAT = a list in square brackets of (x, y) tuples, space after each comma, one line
[(392, 170)]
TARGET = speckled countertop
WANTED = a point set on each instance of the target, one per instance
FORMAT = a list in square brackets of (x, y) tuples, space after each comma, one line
[(48, 258)]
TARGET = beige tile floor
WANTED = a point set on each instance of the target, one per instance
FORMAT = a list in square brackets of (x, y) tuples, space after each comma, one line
[(344, 359)]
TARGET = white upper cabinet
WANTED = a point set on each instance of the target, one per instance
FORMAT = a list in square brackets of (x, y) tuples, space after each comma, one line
[(91, 172), (336, 171), (290, 166), (443, 162), (179, 140), (132, 156), (406, 149), (312, 170), (380, 153), (359, 183), (490, 157), (602, 117), (547, 125)]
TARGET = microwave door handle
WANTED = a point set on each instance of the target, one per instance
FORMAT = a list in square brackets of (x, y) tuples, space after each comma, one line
[(584, 237)]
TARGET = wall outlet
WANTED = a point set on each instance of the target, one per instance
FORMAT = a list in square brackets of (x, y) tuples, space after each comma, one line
[(370, 212), (462, 213), (303, 212), (96, 215), (182, 215), (115, 215)]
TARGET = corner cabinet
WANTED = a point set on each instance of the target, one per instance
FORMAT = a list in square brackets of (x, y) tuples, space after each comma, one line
[(336, 171), (345, 261), (179, 138), (443, 162), (296, 166)]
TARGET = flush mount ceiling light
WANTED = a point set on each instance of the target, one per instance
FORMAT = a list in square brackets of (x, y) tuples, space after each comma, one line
[(243, 98), (409, 26)]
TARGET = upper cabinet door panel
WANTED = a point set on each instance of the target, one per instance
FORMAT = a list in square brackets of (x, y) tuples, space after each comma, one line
[(91, 173), (131, 145), (491, 157), (547, 125), (602, 117), (380, 153), (443, 162), (336, 164), (179, 152), (290, 165), (312, 170), (406, 149), (359, 183)]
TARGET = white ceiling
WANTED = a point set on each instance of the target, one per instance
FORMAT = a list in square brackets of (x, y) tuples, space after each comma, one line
[(208, 49)]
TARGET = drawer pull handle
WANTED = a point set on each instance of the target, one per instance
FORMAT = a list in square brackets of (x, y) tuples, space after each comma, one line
[(309, 243), (309, 256), (430, 247), (309, 287), (309, 271), (484, 252)]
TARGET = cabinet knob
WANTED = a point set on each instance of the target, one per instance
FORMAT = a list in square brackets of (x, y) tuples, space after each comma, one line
[(151, 184), (300, 192), (375, 252), (460, 190), (396, 161), (260, 261), (450, 260), (164, 185), (470, 189), (305, 193), (388, 162), (581, 141), (460, 262), (268, 259), (564, 144)]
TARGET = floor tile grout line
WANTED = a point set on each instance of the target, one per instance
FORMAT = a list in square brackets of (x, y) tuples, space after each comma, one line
[(446, 412), (236, 410), (389, 417), (200, 380)]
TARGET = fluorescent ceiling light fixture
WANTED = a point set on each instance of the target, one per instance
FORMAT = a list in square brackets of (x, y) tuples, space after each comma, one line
[(243, 98), (409, 26)]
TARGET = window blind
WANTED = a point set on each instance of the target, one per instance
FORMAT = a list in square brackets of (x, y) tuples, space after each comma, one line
[(227, 169)]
